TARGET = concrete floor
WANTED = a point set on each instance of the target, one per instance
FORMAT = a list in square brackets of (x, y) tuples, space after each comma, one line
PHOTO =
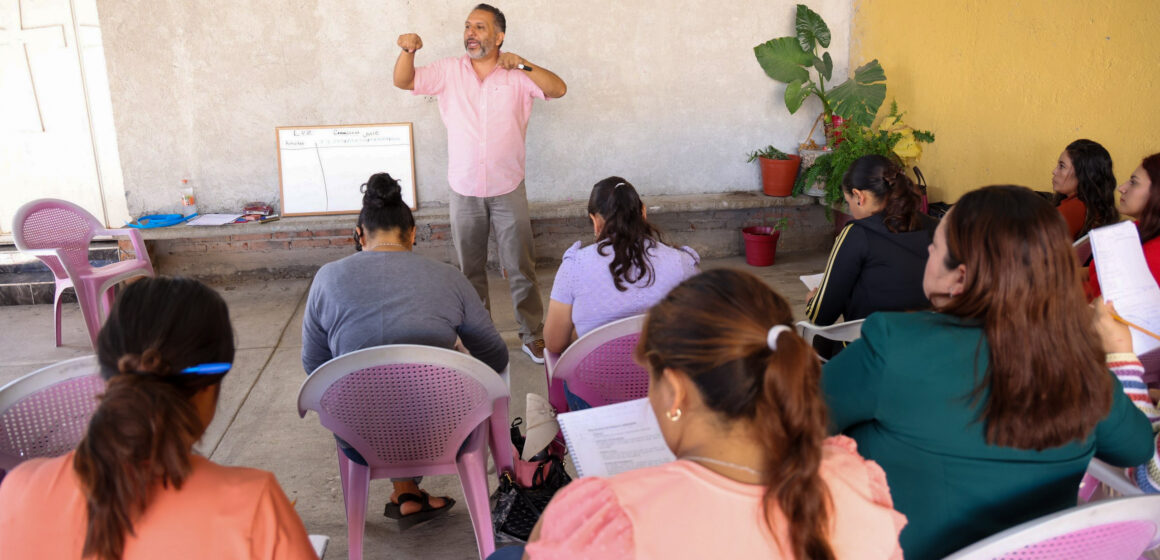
[(257, 423)]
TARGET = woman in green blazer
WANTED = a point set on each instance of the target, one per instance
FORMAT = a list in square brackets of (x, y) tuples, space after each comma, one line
[(985, 413)]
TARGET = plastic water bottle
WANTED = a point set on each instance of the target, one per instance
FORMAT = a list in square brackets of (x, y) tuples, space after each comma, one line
[(188, 203)]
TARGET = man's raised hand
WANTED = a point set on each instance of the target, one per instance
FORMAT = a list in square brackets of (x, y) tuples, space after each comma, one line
[(410, 42)]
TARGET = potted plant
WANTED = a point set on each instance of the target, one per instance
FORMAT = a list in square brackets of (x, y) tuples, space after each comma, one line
[(761, 241), (891, 138), (778, 170), (790, 60)]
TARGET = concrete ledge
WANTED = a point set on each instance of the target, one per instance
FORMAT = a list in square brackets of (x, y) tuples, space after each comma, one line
[(438, 213), (296, 247)]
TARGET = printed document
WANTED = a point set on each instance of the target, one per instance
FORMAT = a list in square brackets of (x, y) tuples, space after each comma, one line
[(1126, 281), (612, 439)]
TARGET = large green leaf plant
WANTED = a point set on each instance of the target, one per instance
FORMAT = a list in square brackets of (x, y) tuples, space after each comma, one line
[(791, 59)]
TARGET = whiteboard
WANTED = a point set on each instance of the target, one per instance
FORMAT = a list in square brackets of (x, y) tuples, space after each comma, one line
[(321, 169)]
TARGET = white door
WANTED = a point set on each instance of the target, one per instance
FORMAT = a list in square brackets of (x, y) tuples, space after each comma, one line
[(56, 119)]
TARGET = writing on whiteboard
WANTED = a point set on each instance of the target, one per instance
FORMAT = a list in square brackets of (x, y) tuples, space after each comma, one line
[(322, 169)]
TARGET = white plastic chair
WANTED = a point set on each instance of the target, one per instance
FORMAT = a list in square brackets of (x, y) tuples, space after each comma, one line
[(412, 410), (1120, 529), (46, 413), (847, 331), (599, 366)]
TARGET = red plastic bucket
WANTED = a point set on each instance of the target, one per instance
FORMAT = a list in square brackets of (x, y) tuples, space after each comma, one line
[(760, 245)]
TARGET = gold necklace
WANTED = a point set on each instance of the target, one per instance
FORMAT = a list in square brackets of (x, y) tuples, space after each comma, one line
[(721, 463)]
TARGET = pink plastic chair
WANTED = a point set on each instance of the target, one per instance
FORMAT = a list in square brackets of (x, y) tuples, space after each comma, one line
[(59, 233), (45, 413), (599, 367), (1120, 529), (413, 410)]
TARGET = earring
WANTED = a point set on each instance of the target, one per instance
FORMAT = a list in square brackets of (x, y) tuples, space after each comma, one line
[(673, 416)]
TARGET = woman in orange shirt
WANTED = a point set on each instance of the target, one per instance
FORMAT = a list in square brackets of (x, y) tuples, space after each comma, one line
[(133, 488), (737, 395), (1084, 185)]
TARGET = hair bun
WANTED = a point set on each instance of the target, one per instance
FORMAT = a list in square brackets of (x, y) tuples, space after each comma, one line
[(149, 362), (382, 190)]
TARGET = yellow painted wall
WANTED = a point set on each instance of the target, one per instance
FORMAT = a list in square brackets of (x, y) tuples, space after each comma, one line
[(1005, 85)]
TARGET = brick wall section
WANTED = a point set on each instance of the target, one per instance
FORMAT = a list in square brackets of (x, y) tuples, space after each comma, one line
[(713, 233)]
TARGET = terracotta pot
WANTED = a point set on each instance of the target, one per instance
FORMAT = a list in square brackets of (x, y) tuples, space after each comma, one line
[(777, 175), (760, 245)]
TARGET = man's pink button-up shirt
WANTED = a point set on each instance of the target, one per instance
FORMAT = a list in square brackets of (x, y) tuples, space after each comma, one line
[(487, 123)]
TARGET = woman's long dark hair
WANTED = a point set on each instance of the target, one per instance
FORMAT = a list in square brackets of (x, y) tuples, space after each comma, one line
[(625, 230), (890, 184), (141, 435), (383, 207), (713, 328), (1020, 284), (1092, 165), (1149, 222)]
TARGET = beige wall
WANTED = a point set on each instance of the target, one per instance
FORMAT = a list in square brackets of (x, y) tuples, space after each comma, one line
[(1005, 86), (669, 97)]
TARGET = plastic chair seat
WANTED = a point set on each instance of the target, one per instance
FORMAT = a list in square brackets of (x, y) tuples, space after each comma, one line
[(413, 410), (847, 331), (599, 366), (46, 413), (1119, 529)]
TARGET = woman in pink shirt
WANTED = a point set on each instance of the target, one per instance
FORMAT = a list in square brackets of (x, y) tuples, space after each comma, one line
[(738, 398), (133, 487)]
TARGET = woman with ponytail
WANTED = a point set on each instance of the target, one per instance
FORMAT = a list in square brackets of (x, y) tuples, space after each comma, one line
[(736, 393), (1085, 187), (623, 273), (385, 294), (877, 259), (985, 412), (133, 488)]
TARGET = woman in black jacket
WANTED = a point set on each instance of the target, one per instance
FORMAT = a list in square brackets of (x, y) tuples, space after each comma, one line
[(878, 258)]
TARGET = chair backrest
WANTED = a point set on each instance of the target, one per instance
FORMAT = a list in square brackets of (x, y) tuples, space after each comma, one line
[(1109, 530), (599, 367), (403, 405), (50, 224), (46, 413)]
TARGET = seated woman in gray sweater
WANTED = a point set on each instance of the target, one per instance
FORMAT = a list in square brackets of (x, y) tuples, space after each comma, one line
[(385, 294)]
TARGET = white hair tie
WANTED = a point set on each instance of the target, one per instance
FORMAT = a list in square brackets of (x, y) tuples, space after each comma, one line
[(774, 332), (618, 185)]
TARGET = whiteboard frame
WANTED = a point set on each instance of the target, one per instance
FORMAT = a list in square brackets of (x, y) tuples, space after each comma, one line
[(278, 151)]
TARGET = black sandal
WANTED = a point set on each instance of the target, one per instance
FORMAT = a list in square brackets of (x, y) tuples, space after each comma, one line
[(426, 512)]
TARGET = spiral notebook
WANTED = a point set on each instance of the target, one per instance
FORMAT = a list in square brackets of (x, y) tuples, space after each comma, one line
[(615, 438)]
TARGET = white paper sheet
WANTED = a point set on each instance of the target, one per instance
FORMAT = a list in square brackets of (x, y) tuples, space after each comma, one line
[(612, 439), (214, 219), (1126, 281), (812, 280)]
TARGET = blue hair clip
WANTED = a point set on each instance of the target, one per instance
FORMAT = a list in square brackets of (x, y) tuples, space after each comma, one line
[(208, 369)]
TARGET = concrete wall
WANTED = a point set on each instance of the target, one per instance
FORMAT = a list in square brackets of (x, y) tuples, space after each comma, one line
[(667, 95), (1005, 86)]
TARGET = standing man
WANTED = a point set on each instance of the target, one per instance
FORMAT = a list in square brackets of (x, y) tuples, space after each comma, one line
[(485, 99)]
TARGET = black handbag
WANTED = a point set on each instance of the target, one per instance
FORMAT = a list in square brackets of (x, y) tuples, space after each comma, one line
[(516, 509)]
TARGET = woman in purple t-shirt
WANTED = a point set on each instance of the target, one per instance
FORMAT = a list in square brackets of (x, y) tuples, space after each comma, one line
[(624, 273)]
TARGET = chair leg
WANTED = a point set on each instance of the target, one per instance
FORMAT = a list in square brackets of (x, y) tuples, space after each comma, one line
[(56, 304), (90, 302), (356, 480), (472, 467)]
